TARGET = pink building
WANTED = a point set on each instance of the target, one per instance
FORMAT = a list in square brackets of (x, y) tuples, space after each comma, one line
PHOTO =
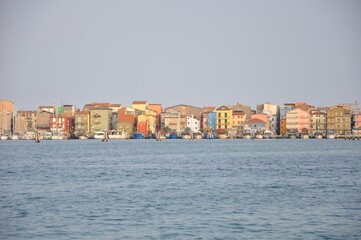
[(298, 120)]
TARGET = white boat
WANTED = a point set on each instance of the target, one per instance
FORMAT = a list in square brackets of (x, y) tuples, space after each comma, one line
[(14, 137), (58, 137), (117, 135), (82, 137), (247, 136), (318, 136), (99, 135), (305, 136), (186, 136), (330, 135), (47, 136), (4, 137), (259, 136)]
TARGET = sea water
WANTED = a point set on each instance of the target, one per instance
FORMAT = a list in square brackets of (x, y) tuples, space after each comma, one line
[(180, 189)]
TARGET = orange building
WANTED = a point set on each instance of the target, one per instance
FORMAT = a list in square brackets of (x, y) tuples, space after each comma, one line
[(158, 109), (283, 126), (142, 127), (264, 117)]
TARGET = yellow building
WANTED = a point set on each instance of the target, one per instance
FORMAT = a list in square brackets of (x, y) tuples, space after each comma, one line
[(339, 119), (140, 105), (224, 118)]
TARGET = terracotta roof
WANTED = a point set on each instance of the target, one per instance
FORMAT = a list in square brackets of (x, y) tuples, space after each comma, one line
[(115, 105), (318, 113), (255, 120), (139, 102), (82, 112)]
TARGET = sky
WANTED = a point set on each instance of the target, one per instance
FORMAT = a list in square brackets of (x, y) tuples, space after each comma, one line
[(201, 53)]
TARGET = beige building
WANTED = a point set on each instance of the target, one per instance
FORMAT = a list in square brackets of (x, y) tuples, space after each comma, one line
[(238, 119), (100, 119), (246, 109), (30, 121), (171, 120), (183, 111), (339, 119), (43, 121), (6, 116), (318, 122)]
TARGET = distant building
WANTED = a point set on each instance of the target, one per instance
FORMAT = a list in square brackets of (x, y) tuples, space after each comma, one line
[(193, 124), (238, 120), (354, 108), (126, 121), (254, 126), (43, 121), (158, 109), (171, 120), (100, 119), (283, 125), (82, 122), (224, 118), (246, 109), (318, 122), (264, 117), (6, 116), (339, 119), (184, 111), (50, 109), (208, 122), (69, 110), (356, 129), (61, 123), (298, 120)]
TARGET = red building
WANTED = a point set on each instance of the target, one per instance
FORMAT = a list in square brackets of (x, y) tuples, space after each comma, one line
[(142, 127), (61, 123)]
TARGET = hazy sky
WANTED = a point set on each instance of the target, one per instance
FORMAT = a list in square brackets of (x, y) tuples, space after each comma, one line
[(171, 52)]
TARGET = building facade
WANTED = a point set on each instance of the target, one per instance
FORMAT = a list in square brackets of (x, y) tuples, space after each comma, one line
[(82, 122), (339, 119), (318, 122), (100, 119), (224, 118), (298, 120)]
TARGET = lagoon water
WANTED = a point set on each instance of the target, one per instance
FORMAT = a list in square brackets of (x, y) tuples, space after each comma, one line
[(180, 189)]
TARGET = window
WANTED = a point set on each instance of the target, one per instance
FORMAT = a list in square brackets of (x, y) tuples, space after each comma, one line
[(219, 115), (225, 114)]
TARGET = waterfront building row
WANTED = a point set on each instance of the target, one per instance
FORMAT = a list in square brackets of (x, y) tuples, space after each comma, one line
[(148, 119)]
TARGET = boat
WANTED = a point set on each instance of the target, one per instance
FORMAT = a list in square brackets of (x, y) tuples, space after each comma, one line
[(267, 134), (186, 136), (14, 137), (99, 135), (330, 135), (83, 137), (58, 137), (259, 136), (222, 136), (246, 136), (4, 137), (305, 136), (198, 136), (318, 135), (116, 135), (138, 135), (173, 136), (47, 136)]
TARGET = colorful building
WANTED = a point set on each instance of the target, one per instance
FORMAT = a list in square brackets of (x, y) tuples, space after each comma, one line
[(255, 125), (339, 119), (224, 118), (61, 123), (318, 122), (283, 125), (264, 117), (184, 111), (298, 120), (6, 116), (171, 120), (209, 120), (238, 120), (356, 129), (126, 121), (100, 119), (82, 122), (244, 108)]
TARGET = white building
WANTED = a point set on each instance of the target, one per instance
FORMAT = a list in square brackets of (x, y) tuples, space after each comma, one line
[(193, 124)]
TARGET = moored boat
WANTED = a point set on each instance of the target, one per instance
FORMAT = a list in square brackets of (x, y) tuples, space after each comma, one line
[(4, 137), (14, 137), (222, 136), (330, 135)]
